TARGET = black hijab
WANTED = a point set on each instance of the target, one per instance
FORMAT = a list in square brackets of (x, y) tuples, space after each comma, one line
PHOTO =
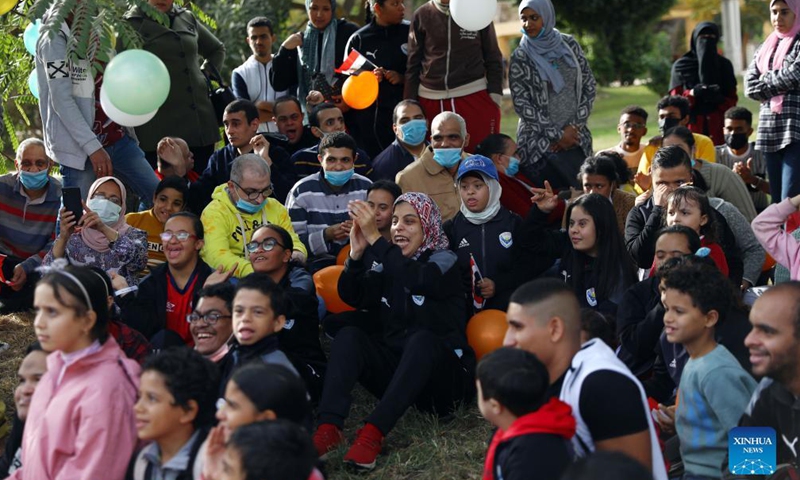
[(702, 64)]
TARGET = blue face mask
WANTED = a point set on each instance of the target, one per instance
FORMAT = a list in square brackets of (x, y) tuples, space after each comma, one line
[(248, 207), (447, 157), (414, 132), (513, 166), (337, 179), (33, 181), (524, 33)]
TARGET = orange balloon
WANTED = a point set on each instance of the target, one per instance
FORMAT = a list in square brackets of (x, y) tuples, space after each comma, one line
[(360, 91), (327, 283), (343, 254), (486, 331)]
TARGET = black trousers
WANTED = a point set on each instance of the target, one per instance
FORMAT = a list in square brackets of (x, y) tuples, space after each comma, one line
[(12, 301), (426, 374)]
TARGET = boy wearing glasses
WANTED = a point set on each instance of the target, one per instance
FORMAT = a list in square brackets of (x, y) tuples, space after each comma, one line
[(164, 298), (210, 323), (238, 208)]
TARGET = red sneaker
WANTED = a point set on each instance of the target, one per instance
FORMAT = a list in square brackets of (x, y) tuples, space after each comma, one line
[(327, 438), (365, 448)]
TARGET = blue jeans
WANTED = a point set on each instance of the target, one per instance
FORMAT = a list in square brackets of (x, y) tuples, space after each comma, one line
[(129, 164), (783, 171)]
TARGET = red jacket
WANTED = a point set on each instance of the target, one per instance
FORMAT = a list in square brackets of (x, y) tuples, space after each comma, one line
[(554, 417)]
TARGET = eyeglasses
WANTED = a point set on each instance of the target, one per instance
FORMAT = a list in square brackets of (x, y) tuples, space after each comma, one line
[(114, 200), (254, 194), (181, 236), (267, 245), (209, 318), (632, 125)]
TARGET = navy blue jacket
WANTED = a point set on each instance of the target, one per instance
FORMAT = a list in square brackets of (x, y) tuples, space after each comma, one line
[(391, 161)]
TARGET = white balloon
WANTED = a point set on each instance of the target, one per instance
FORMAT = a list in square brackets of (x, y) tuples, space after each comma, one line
[(120, 117), (473, 15)]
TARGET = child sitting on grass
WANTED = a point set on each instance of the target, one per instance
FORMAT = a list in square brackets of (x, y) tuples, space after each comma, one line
[(714, 389), (533, 434), (279, 449), (259, 313), (175, 410)]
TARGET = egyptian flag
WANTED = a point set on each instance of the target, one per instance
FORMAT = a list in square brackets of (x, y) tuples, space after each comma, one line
[(477, 301), (355, 63)]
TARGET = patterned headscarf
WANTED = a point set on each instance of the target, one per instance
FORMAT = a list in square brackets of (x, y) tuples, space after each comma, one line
[(431, 220)]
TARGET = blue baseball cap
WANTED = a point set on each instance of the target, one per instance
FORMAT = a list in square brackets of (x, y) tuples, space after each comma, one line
[(477, 163)]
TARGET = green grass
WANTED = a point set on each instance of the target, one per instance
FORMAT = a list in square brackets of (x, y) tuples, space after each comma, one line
[(605, 114)]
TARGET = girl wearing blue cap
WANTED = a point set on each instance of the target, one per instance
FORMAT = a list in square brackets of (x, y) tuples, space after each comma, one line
[(482, 234)]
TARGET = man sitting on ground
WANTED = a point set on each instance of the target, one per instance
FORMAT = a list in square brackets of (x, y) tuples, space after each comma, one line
[(325, 119), (608, 402), (31, 199)]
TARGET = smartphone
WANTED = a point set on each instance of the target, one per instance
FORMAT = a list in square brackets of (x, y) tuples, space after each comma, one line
[(72, 201)]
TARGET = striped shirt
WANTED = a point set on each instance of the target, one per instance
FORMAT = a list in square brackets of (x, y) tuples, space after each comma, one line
[(314, 206), (27, 227)]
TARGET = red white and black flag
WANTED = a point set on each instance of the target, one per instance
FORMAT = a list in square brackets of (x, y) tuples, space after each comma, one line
[(355, 63), (477, 300)]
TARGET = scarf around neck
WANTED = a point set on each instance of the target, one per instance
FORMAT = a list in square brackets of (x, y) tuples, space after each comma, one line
[(310, 60), (780, 43), (548, 46)]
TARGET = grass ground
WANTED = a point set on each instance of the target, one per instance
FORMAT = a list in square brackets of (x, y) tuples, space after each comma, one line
[(605, 114)]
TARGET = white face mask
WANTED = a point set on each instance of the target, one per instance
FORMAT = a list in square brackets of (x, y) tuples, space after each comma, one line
[(107, 210)]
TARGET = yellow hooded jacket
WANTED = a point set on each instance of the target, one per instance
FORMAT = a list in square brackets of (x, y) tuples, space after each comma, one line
[(228, 230)]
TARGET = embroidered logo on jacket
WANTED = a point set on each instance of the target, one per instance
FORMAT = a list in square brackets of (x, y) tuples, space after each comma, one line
[(418, 299), (506, 240)]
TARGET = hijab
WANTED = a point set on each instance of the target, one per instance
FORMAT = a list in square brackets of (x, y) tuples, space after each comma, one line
[(780, 44), (548, 46), (702, 63), (492, 207), (431, 220), (310, 55), (95, 239)]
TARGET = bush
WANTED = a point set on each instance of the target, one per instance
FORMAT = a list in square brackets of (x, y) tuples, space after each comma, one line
[(657, 65)]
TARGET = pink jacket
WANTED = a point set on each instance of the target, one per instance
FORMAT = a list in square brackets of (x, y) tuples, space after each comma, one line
[(783, 247), (84, 428)]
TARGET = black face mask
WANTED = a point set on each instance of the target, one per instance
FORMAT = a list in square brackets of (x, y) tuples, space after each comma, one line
[(736, 140), (664, 124)]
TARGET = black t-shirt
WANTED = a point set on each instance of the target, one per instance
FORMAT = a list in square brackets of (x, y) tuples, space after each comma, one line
[(610, 405), (546, 454)]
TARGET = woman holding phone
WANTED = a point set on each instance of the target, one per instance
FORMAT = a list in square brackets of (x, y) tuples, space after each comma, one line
[(100, 237)]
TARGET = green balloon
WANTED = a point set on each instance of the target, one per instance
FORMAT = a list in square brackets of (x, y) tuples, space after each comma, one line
[(137, 82)]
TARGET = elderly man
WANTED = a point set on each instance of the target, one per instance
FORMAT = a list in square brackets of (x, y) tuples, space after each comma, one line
[(31, 199), (237, 209), (434, 173)]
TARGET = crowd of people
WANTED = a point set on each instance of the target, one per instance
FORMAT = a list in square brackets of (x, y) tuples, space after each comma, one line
[(179, 329)]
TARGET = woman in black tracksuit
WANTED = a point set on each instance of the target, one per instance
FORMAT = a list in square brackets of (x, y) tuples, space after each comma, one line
[(384, 42), (483, 236), (594, 261), (421, 357)]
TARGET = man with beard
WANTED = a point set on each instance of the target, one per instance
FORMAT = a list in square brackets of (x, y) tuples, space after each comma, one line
[(774, 345)]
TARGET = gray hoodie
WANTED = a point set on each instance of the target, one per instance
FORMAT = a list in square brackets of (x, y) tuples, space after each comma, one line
[(66, 101)]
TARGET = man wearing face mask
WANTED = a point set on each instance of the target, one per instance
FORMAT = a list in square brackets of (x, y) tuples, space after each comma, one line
[(325, 119), (318, 204), (706, 79), (32, 199), (741, 156), (410, 128), (673, 110), (434, 173), (236, 210)]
